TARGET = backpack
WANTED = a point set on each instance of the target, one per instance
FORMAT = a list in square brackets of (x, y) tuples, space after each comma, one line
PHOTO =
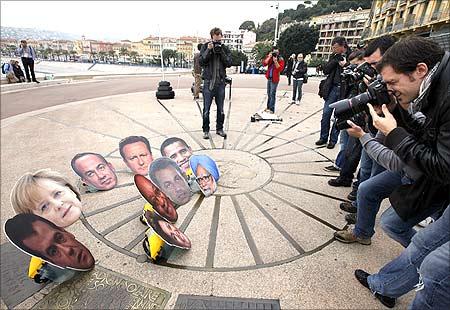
[(5, 67)]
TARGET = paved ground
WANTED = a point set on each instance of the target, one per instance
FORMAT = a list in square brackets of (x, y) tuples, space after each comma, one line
[(267, 233)]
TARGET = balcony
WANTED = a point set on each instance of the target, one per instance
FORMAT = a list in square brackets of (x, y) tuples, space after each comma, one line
[(402, 2), (388, 28)]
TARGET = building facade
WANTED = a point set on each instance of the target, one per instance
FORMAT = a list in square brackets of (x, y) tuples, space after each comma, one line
[(349, 24), (237, 39), (405, 17)]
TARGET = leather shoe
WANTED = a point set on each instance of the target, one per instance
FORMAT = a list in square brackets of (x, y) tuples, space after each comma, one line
[(221, 133), (332, 168), (206, 135), (348, 207), (352, 195), (347, 236), (340, 182), (361, 276), (36, 81), (351, 218), (331, 145), (321, 142)]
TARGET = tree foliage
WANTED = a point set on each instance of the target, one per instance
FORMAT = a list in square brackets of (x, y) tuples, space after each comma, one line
[(260, 50), (299, 38), (266, 31), (248, 25), (237, 57)]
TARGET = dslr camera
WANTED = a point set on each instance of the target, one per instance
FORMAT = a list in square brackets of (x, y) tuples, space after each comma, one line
[(274, 54), (354, 73), (376, 94), (217, 47)]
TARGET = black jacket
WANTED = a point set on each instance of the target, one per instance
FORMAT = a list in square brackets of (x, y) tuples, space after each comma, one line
[(426, 146), (289, 66), (332, 68), (208, 58), (299, 69)]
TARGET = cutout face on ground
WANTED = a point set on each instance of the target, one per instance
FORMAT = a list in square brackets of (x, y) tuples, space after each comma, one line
[(41, 238), (167, 231), (177, 150), (160, 202), (94, 170), (167, 176), (206, 173), (49, 194), (136, 154)]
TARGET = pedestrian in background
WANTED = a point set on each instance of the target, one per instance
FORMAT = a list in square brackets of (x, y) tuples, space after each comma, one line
[(28, 55), (290, 68), (298, 73)]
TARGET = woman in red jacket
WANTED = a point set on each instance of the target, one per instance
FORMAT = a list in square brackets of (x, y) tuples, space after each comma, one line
[(275, 64)]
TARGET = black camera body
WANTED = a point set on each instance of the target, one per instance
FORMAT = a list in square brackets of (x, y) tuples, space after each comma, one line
[(376, 94), (354, 73), (274, 54), (217, 47)]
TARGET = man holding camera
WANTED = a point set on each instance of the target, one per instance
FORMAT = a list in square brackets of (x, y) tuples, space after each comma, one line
[(215, 57), (330, 89), (275, 64), (417, 71)]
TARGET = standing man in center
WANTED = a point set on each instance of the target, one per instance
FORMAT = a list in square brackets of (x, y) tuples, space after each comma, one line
[(215, 57), (275, 64)]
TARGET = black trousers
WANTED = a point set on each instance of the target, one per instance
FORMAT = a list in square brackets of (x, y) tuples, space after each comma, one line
[(28, 65)]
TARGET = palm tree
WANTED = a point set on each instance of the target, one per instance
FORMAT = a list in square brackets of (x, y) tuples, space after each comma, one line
[(133, 55), (49, 52), (102, 55), (65, 53), (72, 54), (123, 52)]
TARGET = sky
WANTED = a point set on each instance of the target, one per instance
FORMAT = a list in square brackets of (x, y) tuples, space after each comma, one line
[(135, 20)]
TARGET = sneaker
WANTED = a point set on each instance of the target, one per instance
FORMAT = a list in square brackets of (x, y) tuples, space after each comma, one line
[(340, 182), (321, 142), (332, 168), (267, 110), (206, 135), (352, 195), (298, 102), (351, 218), (331, 145), (426, 222), (221, 133), (196, 97), (347, 236), (293, 102), (361, 276), (348, 207)]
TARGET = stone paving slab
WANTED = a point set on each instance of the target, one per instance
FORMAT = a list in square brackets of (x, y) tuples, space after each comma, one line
[(266, 233)]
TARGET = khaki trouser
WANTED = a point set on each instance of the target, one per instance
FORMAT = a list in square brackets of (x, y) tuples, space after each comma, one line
[(12, 78), (197, 83)]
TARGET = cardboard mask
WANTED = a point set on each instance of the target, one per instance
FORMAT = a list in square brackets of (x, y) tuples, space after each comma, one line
[(41, 238), (165, 230), (206, 173), (168, 177), (94, 170), (136, 154), (160, 202)]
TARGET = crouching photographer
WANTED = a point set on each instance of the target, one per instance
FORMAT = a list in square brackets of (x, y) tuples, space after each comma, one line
[(215, 57), (417, 72)]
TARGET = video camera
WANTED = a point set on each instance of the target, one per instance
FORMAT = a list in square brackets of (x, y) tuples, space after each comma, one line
[(354, 73), (376, 94)]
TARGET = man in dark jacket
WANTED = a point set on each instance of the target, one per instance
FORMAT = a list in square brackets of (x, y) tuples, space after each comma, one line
[(299, 70), (290, 68), (417, 71), (333, 70), (215, 57)]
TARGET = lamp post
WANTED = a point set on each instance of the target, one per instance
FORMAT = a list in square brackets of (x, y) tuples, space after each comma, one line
[(276, 23)]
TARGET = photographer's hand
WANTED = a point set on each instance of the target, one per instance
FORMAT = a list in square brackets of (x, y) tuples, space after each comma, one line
[(210, 45), (384, 124), (355, 131)]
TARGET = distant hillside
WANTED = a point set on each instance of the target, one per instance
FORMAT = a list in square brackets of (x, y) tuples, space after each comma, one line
[(35, 34)]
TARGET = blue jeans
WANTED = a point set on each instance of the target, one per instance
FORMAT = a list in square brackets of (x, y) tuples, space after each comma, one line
[(218, 92), (425, 259), (401, 231), (271, 94), (297, 89), (326, 117), (369, 197), (343, 139)]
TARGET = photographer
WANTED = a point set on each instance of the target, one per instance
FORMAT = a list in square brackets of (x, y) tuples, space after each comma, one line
[(215, 57), (275, 64), (417, 71), (330, 89)]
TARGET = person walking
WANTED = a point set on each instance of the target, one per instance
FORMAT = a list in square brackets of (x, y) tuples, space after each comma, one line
[(290, 68), (299, 70), (28, 55)]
